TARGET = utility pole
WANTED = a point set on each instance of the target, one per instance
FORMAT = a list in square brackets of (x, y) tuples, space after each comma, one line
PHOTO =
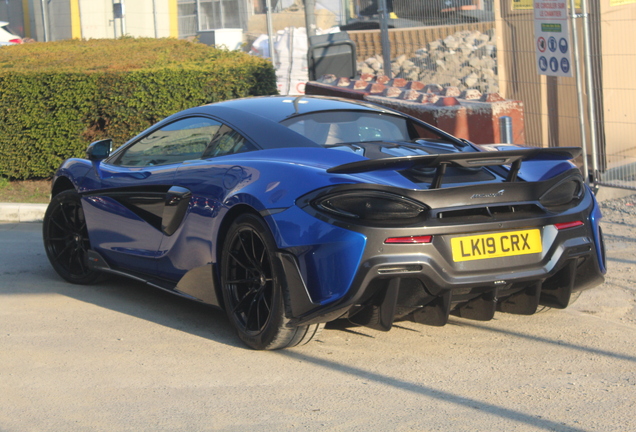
[(45, 19), (123, 18), (198, 5), (310, 17), (270, 32), (154, 17)]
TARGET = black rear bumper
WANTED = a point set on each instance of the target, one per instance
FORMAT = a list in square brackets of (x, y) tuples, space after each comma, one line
[(422, 283)]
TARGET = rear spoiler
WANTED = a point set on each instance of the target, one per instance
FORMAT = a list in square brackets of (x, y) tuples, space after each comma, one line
[(463, 159)]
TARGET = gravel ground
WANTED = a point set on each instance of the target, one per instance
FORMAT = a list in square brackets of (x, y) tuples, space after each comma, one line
[(616, 299), (120, 356)]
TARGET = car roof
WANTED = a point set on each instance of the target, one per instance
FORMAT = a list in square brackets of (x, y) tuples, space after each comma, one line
[(259, 117), (279, 108)]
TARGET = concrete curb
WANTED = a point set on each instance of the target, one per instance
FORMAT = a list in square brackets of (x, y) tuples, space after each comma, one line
[(20, 212)]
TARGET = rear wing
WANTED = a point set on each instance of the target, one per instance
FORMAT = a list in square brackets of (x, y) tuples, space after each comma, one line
[(462, 159)]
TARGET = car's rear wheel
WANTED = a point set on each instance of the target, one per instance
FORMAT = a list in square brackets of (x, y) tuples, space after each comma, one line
[(66, 238), (253, 296)]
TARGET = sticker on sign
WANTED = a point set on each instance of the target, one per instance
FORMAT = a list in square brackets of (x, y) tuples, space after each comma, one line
[(529, 4), (552, 36)]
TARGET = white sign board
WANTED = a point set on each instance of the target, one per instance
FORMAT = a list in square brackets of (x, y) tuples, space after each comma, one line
[(552, 38)]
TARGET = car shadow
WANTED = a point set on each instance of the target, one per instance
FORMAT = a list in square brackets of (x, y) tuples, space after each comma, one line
[(135, 299), (25, 269), (27, 263)]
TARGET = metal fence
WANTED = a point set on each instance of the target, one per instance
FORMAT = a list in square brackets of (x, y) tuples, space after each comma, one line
[(615, 57), (196, 15), (489, 45), (590, 109)]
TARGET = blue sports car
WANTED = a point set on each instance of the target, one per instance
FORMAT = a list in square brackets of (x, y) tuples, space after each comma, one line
[(292, 212)]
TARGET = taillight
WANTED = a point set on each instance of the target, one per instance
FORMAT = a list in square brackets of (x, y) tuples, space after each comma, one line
[(16, 41), (409, 240), (372, 207), (566, 193), (566, 225)]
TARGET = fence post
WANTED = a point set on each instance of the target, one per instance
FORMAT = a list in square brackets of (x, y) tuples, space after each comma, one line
[(270, 33), (384, 34), (579, 89), (591, 104)]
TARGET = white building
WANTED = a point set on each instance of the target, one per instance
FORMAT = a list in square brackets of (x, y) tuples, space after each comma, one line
[(50, 20)]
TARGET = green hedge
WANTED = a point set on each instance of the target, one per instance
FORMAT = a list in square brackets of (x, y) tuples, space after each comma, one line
[(56, 98)]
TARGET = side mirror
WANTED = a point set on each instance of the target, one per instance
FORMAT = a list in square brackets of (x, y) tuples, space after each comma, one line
[(99, 150)]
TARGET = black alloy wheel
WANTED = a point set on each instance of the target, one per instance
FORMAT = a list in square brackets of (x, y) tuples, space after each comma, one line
[(251, 281), (66, 238), (254, 298)]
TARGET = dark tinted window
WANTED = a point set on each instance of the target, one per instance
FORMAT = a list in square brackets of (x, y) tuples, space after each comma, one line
[(182, 140), (335, 127), (227, 141)]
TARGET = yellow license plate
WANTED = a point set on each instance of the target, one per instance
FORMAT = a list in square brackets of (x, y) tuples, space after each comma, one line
[(496, 245)]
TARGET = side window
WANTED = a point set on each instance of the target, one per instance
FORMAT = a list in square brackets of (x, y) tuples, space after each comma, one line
[(419, 131), (179, 141), (227, 141)]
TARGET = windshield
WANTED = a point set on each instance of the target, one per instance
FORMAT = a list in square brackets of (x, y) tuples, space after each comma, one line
[(335, 127)]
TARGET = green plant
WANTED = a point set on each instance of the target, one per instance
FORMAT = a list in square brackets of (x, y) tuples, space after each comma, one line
[(56, 98)]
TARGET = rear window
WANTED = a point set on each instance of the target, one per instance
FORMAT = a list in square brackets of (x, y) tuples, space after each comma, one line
[(335, 127)]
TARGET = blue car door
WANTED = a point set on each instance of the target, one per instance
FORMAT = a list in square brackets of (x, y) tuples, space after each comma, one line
[(207, 181), (129, 212)]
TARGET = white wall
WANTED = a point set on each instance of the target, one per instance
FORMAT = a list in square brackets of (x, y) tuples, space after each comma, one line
[(140, 21), (97, 19)]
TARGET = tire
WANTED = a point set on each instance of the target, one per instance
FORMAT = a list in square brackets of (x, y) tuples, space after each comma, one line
[(254, 299), (66, 238)]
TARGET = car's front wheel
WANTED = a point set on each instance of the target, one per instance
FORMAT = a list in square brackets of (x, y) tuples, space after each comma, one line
[(254, 298), (66, 238)]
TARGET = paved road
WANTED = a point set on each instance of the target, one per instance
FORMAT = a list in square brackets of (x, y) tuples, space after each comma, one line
[(119, 356)]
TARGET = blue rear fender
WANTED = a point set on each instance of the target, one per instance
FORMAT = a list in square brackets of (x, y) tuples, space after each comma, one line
[(595, 218), (328, 256), (270, 183), (276, 185), (222, 186)]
